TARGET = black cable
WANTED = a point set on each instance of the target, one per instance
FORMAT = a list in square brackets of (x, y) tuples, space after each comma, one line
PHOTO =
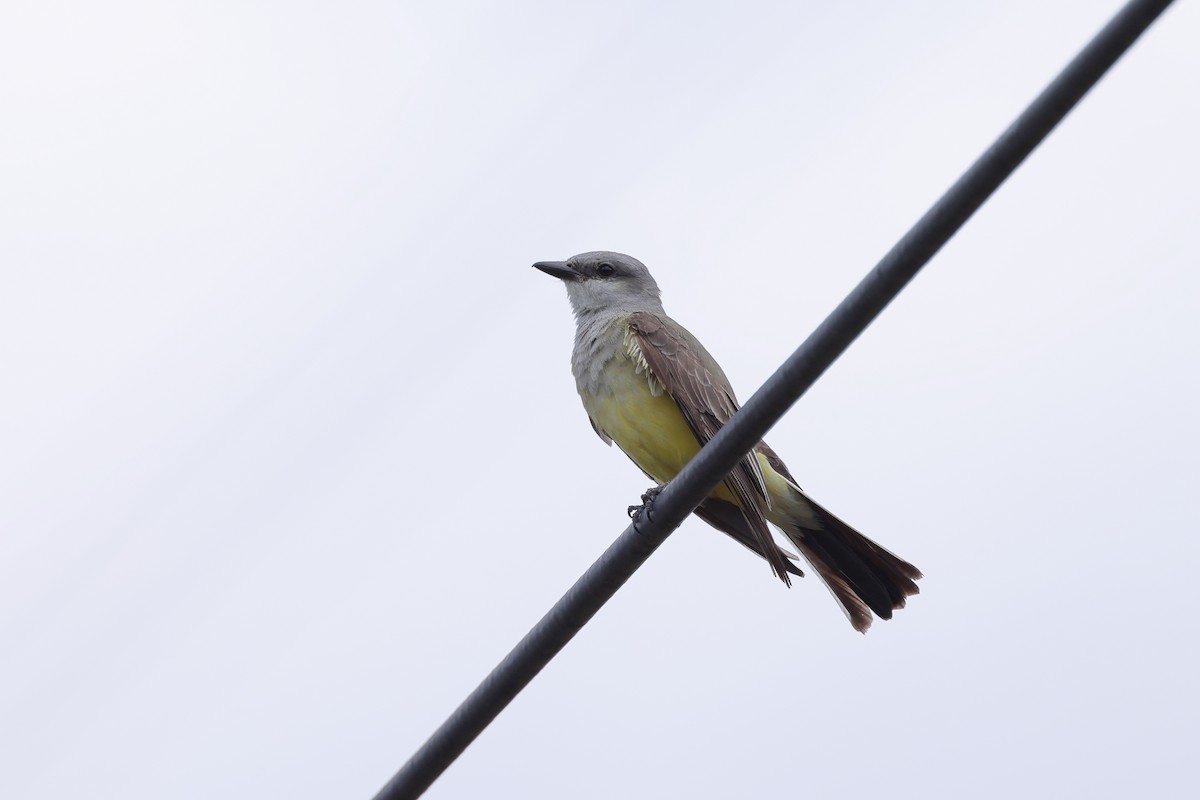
[(763, 410)]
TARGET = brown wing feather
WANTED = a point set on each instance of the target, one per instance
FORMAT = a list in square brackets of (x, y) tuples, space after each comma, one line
[(728, 518), (702, 392)]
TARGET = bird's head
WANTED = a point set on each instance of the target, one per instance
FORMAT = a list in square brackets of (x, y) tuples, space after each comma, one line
[(602, 282)]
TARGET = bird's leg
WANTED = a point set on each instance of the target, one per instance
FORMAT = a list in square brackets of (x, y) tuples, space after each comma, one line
[(647, 500)]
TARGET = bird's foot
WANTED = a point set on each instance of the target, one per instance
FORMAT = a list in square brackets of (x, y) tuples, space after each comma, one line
[(635, 512)]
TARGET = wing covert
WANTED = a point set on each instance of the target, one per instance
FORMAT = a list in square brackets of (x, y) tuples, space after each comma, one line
[(692, 378)]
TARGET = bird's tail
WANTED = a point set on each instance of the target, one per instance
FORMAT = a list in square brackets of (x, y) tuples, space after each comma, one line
[(862, 576)]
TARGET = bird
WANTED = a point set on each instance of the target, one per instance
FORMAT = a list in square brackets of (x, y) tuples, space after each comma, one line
[(649, 386)]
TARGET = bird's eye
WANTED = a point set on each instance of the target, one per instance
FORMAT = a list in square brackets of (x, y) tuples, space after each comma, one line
[(605, 270)]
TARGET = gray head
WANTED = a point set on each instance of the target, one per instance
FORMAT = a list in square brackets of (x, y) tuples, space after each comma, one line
[(602, 283)]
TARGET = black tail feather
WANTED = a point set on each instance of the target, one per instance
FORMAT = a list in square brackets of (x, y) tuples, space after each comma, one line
[(861, 574)]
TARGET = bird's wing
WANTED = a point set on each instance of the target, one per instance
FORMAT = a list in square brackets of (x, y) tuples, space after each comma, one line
[(728, 518), (604, 437), (692, 378)]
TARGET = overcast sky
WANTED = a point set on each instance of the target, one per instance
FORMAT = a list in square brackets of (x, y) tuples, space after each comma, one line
[(290, 452)]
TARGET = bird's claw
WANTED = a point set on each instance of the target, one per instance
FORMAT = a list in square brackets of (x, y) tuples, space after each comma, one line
[(635, 512)]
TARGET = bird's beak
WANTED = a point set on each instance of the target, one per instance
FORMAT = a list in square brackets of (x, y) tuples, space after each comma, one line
[(559, 269)]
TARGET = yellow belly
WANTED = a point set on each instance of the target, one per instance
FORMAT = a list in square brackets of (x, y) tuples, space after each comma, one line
[(649, 428)]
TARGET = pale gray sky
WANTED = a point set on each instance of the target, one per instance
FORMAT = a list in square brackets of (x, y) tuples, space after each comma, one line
[(290, 454)]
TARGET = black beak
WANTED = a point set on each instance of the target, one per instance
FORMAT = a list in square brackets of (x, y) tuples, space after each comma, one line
[(559, 269)]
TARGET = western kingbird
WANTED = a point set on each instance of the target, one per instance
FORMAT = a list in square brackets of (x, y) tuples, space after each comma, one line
[(651, 387)]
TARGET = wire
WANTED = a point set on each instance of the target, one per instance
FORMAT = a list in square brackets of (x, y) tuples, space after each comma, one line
[(602, 580)]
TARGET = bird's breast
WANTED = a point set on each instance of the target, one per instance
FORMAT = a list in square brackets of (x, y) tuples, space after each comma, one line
[(645, 424)]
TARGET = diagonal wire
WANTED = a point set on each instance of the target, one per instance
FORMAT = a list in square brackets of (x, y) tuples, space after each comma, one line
[(602, 580)]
